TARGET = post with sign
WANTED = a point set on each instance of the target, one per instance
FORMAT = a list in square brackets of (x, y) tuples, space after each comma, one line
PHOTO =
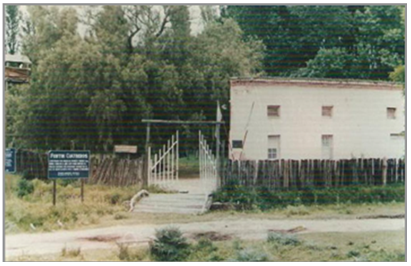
[(10, 160), (68, 165)]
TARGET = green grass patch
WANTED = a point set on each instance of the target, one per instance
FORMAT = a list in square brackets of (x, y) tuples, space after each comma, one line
[(245, 198), (29, 204)]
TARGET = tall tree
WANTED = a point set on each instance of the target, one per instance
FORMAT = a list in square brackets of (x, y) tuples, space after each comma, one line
[(13, 19)]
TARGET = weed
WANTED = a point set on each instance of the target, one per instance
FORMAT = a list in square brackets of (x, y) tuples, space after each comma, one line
[(169, 245), (24, 187), (120, 216), (297, 210), (353, 253), (251, 255), (283, 239), (65, 252), (123, 252)]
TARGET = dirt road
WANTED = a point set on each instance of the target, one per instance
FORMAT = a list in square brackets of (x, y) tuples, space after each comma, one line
[(106, 238)]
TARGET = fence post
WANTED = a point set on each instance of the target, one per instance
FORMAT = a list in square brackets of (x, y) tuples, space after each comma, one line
[(384, 171)]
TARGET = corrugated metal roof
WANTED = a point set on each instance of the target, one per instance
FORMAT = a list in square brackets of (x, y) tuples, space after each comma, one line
[(18, 58)]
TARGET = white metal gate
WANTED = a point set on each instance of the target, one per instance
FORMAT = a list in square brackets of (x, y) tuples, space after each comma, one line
[(163, 167), (208, 166)]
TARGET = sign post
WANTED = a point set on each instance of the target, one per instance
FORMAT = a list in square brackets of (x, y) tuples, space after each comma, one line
[(68, 165), (10, 160)]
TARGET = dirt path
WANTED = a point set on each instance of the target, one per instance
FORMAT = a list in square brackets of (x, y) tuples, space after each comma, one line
[(104, 238)]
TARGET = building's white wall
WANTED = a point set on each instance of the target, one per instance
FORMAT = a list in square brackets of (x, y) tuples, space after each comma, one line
[(359, 124)]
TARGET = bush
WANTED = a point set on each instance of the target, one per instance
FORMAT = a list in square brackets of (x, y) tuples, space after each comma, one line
[(283, 239), (24, 187), (261, 197), (251, 255), (169, 245)]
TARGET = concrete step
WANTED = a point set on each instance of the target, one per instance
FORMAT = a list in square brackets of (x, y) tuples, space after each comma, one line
[(167, 209), (171, 203)]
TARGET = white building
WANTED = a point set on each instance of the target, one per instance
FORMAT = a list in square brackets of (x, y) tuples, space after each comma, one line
[(315, 119)]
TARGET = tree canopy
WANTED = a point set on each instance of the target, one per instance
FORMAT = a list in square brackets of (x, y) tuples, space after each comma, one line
[(140, 61)]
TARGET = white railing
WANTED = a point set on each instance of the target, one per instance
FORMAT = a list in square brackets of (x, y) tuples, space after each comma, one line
[(208, 166), (163, 168)]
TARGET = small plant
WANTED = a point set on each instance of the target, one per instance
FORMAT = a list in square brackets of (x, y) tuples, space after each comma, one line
[(169, 245), (24, 187), (297, 210), (120, 216), (251, 255), (115, 198), (123, 252), (283, 239), (353, 253), (70, 252)]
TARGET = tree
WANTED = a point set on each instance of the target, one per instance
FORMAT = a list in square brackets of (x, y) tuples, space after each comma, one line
[(12, 28), (298, 38)]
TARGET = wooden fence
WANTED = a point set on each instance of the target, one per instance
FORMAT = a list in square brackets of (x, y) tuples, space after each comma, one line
[(104, 169), (299, 174)]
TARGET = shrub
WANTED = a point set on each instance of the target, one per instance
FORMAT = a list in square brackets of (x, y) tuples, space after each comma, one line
[(123, 252), (283, 239), (24, 187), (70, 252), (169, 245), (251, 255), (115, 198)]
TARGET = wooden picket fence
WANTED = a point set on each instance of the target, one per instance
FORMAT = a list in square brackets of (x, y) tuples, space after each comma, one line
[(32, 163), (104, 169), (116, 171), (300, 174)]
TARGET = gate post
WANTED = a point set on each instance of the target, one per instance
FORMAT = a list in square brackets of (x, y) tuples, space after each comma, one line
[(147, 159)]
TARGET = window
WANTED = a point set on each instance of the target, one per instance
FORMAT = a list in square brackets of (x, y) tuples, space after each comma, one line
[(327, 146), (272, 153), (327, 111), (273, 110), (237, 144), (391, 112), (273, 148)]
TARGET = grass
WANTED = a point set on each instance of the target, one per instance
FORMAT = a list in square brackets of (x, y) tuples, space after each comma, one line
[(188, 166), (35, 210), (364, 246)]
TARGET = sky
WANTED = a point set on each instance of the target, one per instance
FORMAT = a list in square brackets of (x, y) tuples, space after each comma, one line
[(195, 16)]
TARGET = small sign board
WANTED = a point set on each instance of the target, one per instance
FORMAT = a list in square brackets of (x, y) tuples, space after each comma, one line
[(125, 149), (10, 160), (68, 164)]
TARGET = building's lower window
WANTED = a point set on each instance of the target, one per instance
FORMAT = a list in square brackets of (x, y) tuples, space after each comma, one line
[(272, 153), (327, 146), (237, 144), (273, 147)]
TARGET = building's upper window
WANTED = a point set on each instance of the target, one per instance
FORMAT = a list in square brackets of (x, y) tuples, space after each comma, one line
[(327, 111), (237, 144), (273, 110), (391, 112)]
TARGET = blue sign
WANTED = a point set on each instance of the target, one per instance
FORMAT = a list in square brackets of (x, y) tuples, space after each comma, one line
[(10, 160), (69, 164)]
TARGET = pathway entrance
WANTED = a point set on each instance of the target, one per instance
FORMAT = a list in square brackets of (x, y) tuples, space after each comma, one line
[(185, 195)]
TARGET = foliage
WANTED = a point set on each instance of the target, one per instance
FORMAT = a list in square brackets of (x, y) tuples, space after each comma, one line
[(13, 19), (36, 207), (261, 198), (282, 239), (251, 255), (134, 62), (364, 42), (169, 245), (24, 187)]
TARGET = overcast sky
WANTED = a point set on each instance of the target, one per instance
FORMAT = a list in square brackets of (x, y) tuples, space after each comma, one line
[(195, 16)]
